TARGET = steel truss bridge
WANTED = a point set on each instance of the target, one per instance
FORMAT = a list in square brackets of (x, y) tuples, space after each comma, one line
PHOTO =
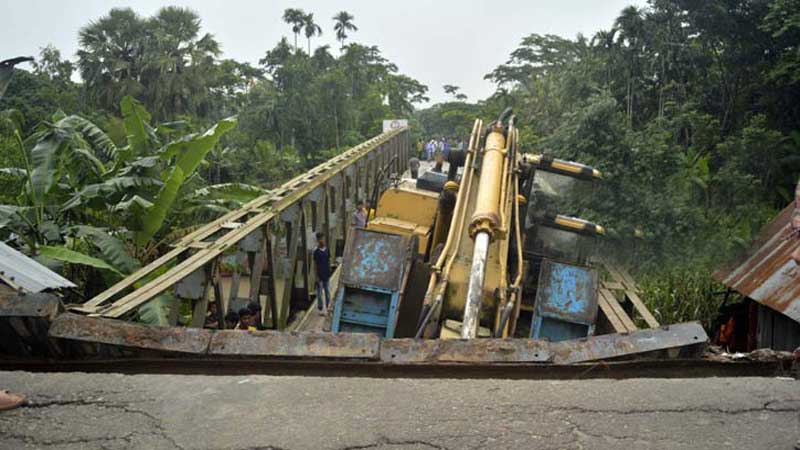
[(271, 238)]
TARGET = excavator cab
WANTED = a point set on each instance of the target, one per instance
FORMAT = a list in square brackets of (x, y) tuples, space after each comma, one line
[(560, 289)]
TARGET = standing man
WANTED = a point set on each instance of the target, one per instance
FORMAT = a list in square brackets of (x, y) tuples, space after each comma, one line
[(360, 215), (439, 162), (322, 265), (413, 167)]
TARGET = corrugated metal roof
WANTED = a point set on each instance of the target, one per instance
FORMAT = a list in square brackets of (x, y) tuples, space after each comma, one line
[(20, 271), (767, 273)]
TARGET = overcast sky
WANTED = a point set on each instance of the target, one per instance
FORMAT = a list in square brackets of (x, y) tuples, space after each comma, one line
[(437, 42)]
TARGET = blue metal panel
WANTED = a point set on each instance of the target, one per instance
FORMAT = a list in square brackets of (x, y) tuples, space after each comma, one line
[(559, 330), (567, 292), (365, 310), (373, 270), (374, 258), (337, 311), (566, 302), (392, 317)]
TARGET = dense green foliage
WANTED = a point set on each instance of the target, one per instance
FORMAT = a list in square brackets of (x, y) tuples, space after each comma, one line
[(161, 134)]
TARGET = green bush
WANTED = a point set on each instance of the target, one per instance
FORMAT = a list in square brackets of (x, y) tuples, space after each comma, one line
[(682, 295)]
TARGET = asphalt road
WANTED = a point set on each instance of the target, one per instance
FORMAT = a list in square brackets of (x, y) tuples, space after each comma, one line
[(111, 411)]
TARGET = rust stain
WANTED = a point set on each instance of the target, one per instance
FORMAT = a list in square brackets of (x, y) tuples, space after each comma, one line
[(294, 345), (475, 351), (608, 346), (766, 272), (76, 327)]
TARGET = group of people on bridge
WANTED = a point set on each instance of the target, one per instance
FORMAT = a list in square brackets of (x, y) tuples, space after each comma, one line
[(434, 147)]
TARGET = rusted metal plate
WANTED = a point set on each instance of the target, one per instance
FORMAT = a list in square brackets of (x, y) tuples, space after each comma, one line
[(295, 345), (475, 351), (767, 273), (625, 344), (30, 305), (373, 258), (75, 327)]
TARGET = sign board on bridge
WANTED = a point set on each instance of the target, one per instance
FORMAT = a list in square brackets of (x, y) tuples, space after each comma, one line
[(394, 124)]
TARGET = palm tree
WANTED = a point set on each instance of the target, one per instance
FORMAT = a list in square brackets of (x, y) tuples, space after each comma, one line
[(630, 39), (343, 23), (177, 60), (311, 29), (110, 57), (162, 59), (295, 18)]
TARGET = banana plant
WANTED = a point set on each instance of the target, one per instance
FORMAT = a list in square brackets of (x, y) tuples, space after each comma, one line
[(79, 188)]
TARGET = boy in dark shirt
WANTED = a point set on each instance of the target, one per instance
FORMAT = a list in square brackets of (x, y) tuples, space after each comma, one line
[(322, 265), (255, 310), (231, 320), (212, 321), (245, 320)]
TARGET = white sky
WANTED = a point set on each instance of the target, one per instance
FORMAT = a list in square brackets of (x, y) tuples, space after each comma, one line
[(436, 42)]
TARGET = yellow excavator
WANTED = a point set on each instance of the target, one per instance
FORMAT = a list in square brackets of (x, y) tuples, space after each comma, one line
[(477, 250)]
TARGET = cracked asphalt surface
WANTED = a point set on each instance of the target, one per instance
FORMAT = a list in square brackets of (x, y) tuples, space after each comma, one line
[(112, 411)]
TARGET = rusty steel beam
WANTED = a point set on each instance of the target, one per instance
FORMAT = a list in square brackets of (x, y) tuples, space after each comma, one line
[(197, 253), (95, 330), (468, 351), (610, 346), (94, 336), (276, 344), (41, 305)]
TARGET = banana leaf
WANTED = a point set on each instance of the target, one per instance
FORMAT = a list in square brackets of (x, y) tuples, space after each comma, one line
[(116, 185), (136, 120), (113, 249), (71, 256), (98, 139), (45, 157), (189, 152)]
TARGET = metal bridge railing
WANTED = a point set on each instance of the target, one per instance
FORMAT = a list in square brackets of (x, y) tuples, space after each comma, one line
[(269, 235)]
